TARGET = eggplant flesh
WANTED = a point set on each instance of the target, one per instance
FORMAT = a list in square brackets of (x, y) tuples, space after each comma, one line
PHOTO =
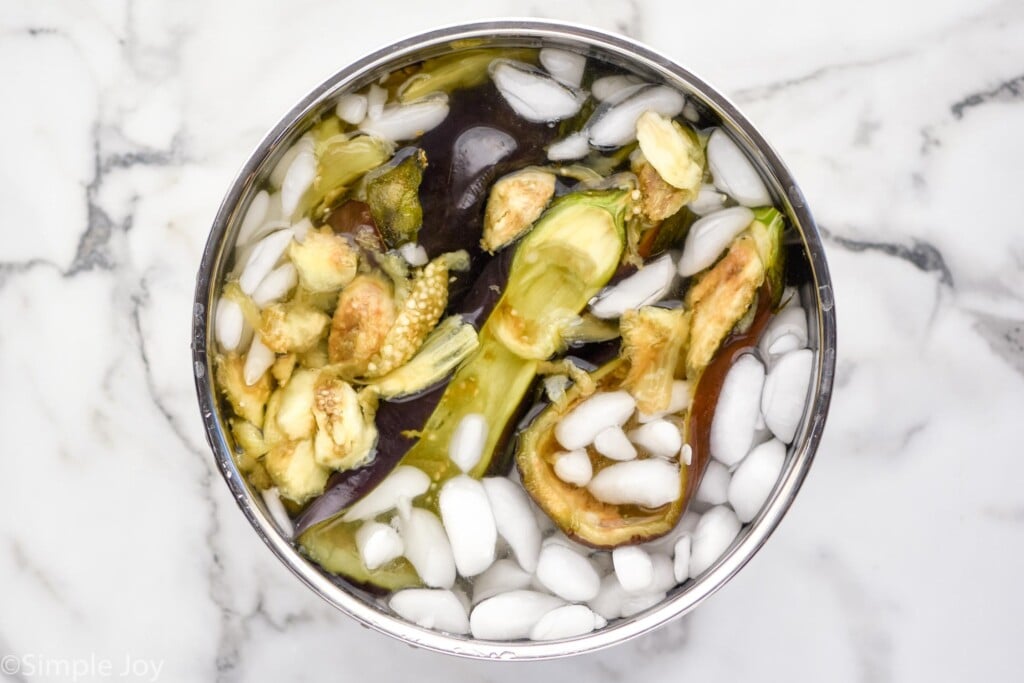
[(465, 159), (723, 294), (572, 251), (392, 193), (585, 230), (399, 417), (496, 378), (751, 270), (575, 510), (396, 421), (333, 548)]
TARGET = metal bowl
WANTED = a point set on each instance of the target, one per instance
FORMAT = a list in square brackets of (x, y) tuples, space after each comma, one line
[(816, 288)]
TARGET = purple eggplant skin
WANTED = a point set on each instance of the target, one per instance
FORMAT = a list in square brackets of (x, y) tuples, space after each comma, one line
[(398, 417), (394, 420), (343, 489), (453, 195), (590, 357), (459, 174), (483, 295), (624, 270)]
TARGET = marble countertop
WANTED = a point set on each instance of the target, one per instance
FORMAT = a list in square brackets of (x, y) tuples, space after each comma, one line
[(126, 120)]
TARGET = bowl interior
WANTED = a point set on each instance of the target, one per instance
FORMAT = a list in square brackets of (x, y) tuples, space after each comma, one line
[(808, 271)]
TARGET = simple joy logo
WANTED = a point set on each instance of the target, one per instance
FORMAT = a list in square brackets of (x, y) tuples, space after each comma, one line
[(75, 669)]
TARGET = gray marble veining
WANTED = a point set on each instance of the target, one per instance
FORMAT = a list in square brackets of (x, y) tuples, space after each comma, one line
[(125, 120)]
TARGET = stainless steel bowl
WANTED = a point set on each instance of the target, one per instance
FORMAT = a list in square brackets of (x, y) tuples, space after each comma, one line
[(817, 289)]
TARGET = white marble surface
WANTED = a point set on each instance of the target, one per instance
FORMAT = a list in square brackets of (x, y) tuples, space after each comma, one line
[(125, 121)]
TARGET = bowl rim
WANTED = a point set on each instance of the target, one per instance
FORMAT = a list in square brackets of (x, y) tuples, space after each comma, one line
[(807, 439)]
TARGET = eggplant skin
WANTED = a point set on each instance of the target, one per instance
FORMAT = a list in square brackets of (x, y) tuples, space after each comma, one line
[(724, 293), (392, 193), (652, 340), (571, 253), (333, 548), (495, 378), (485, 292), (394, 421), (658, 199), (577, 513)]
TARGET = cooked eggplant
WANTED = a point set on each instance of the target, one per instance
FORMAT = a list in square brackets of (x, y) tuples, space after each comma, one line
[(392, 193), (425, 305), (272, 433), (249, 452), (295, 471), (577, 231), (333, 547), (720, 299), (669, 234), (451, 342), (573, 509), (283, 367), (709, 385), (340, 163), (580, 237), (365, 314), (345, 430), (246, 400), (315, 357), (398, 418), (325, 302), (248, 438), (652, 341), (673, 151), (658, 199), (515, 202), (354, 218), (722, 295), (767, 232), (565, 260), (418, 315), (325, 262), (492, 382), (292, 327), (294, 414), (573, 372), (589, 329), (452, 72), (327, 131), (397, 423)]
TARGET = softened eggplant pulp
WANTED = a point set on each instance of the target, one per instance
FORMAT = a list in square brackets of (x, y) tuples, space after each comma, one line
[(577, 513), (585, 230), (431, 250)]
